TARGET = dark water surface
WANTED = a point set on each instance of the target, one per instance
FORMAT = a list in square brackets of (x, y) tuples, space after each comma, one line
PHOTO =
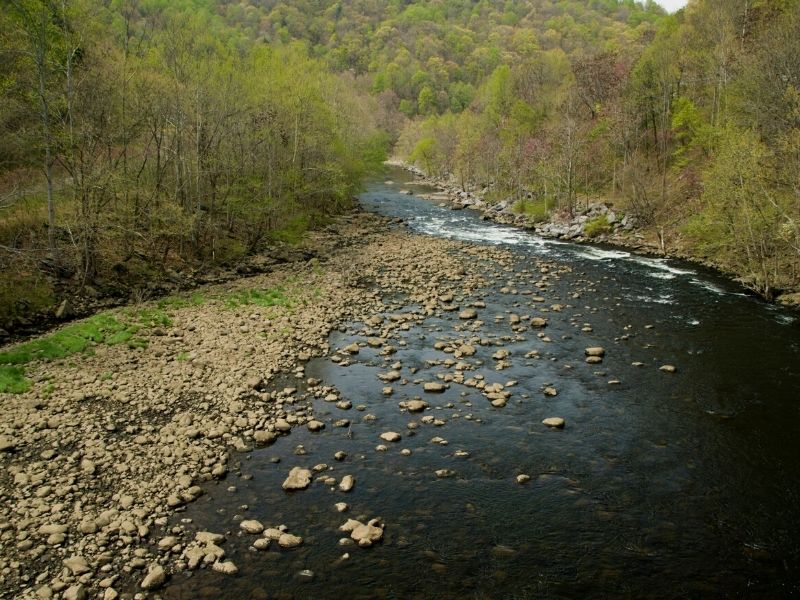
[(663, 486)]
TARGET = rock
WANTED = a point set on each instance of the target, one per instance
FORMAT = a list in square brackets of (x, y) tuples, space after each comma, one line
[(262, 543), (390, 376), (364, 534), (347, 483), (75, 592), (206, 537), (264, 438), (415, 405), (538, 322), (255, 383), (467, 314), (64, 310), (298, 479), (443, 473), (390, 436), (7, 443), (287, 540), (251, 526), (225, 567), (595, 351), (194, 555), (315, 425), (349, 525), (52, 528), (155, 578), (433, 387), (44, 593), (523, 478), (77, 564), (340, 455), (550, 391), (167, 542), (342, 506), (668, 368), (556, 422), (367, 535), (466, 350)]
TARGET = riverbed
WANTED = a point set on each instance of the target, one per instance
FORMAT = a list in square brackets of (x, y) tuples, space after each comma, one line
[(661, 484)]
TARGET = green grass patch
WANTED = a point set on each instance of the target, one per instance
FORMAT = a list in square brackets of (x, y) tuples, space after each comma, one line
[(178, 302), (597, 226), (13, 380), (266, 298), (535, 210), (182, 356), (77, 338)]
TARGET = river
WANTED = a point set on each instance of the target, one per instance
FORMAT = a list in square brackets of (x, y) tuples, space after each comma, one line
[(660, 486)]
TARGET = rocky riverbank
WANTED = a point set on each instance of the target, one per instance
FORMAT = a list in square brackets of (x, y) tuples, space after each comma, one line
[(106, 445), (592, 222)]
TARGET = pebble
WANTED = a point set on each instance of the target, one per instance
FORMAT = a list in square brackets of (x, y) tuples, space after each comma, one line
[(554, 422)]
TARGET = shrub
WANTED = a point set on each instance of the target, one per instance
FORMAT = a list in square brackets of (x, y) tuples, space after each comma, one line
[(597, 226)]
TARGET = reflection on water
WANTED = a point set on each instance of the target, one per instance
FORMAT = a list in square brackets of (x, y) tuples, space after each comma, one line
[(660, 486)]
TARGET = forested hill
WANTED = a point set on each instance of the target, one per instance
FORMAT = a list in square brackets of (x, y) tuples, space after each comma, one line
[(144, 136)]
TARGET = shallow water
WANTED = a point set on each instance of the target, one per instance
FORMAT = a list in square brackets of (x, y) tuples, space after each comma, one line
[(663, 486)]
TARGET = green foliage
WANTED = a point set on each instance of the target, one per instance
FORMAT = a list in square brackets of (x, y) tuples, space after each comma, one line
[(293, 231), (535, 210), (195, 146), (12, 380), (265, 298), (597, 226)]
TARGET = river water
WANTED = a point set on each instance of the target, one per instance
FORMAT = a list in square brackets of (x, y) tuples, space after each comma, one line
[(681, 485)]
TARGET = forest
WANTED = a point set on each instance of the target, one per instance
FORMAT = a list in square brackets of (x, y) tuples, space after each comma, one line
[(144, 136)]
